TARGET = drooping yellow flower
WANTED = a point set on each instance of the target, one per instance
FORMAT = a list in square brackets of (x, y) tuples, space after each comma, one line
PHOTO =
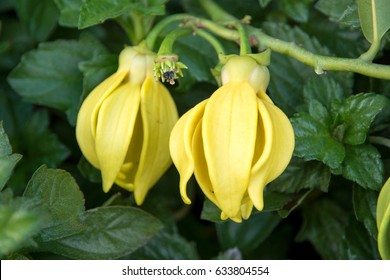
[(235, 142), (124, 124)]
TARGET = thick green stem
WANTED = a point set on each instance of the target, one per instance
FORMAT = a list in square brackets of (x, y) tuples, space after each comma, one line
[(245, 47), (370, 54)]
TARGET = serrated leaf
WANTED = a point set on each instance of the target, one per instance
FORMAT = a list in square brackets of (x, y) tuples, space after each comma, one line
[(341, 11), (324, 224), (166, 246), (96, 11), (364, 166), (38, 16), (374, 18), (297, 10), (50, 76), (357, 114), (110, 232), (5, 147), (301, 175), (69, 12), (364, 205), (61, 198), (18, 223), (249, 234), (383, 221), (314, 141)]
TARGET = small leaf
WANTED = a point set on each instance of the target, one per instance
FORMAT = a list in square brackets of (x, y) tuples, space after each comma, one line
[(364, 205), (314, 141), (339, 10), (383, 221), (324, 226), (5, 147), (61, 199), (301, 175), (38, 16), (110, 232), (364, 166), (94, 12), (374, 18), (249, 234), (357, 114), (69, 12), (166, 246)]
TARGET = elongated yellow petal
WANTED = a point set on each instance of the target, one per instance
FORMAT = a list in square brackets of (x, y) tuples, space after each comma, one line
[(159, 115), (275, 140), (86, 123), (114, 130), (200, 165), (229, 134), (180, 145), (383, 221)]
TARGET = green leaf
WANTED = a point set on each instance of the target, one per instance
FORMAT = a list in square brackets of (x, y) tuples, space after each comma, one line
[(249, 234), (357, 114), (358, 244), (324, 224), (297, 10), (230, 254), (364, 166), (300, 175), (69, 12), (110, 232), (364, 205), (314, 141), (96, 11), (341, 11), (264, 3), (383, 221), (62, 200), (50, 76), (374, 18), (166, 246), (323, 89), (7, 160), (38, 16), (19, 221)]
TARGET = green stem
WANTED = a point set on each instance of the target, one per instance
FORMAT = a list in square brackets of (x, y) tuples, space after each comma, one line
[(212, 40), (245, 47), (138, 27), (215, 11), (320, 62), (159, 27), (370, 54), (125, 26), (380, 140), (167, 44)]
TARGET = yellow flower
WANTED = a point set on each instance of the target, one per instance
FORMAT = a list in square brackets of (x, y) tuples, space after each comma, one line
[(235, 142), (124, 124)]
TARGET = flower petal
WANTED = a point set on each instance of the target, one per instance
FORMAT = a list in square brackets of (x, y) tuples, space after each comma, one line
[(86, 124), (275, 143), (115, 124), (229, 134), (180, 145), (159, 115)]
